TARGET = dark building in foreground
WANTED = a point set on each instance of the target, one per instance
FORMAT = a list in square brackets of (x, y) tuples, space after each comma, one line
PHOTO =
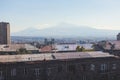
[(118, 36), (60, 66), (4, 33)]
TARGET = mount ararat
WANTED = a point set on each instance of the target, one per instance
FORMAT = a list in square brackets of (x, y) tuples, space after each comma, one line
[(68, 30)]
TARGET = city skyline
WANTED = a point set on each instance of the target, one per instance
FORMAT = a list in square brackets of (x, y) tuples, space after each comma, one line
[(103, 14)]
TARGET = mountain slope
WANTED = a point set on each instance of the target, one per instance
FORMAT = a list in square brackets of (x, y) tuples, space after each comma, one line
[(67, 30)]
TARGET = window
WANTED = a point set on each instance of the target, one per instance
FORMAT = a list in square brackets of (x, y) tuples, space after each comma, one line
[(83, 77), (113, 66), (37, 71), (1, 75), (103, 67), (25, 71), (104, 77), (13, 72), (59, 68), (114, 77), (92, 67), (83, 67), (66, 46), (48, 71), (71, 68)]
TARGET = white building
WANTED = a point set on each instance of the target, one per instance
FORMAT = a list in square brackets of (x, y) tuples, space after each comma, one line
[(86, 46), (65, 47)]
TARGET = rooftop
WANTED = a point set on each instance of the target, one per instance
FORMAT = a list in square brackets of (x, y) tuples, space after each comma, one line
[(46, 49), (15, 47), (112, 44), (52, 56), (4, 22)]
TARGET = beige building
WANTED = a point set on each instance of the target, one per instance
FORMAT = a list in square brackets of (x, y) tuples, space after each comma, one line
[(12, 48), (4, 33)]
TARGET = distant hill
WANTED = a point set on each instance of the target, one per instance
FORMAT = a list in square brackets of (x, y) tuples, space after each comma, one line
[(68, 30)]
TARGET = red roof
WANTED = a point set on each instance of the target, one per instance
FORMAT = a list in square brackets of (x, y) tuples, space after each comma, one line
[(46, 49)]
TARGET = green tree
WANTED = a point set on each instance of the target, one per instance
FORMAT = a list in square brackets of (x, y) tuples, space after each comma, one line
[(23, 51), (82, 49), (78, 48)]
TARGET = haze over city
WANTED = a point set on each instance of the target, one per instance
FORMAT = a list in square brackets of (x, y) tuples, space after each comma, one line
[(41, 14)]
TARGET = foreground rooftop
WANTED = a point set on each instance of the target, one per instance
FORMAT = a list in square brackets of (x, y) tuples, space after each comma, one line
[(52, 56)]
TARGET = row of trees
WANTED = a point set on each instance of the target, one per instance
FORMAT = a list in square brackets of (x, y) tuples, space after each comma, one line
[(23, 51), (78, 49), (82, 49), (19, 51)]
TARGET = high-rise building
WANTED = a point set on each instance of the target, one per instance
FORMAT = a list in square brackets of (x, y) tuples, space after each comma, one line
[(118, 36), (4, 33)]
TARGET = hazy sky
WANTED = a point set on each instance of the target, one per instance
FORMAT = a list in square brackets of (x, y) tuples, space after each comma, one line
[(22, 14)]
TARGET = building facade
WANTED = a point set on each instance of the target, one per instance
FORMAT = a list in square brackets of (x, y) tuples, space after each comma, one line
[(118, 36), (87, 46), (63, 66), (4, 33), (65, 47)]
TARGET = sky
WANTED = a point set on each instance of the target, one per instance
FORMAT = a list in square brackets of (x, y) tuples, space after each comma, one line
[(23, 14)]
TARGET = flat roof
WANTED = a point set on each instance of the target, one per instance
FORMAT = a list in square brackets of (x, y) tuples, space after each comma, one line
[(52, 56), (15, 47), (4, 22)]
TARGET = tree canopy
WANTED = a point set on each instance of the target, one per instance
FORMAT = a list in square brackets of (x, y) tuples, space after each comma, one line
[(23, 51)]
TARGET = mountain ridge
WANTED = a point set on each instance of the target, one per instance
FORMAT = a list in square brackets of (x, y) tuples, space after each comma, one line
[(67, 30)]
